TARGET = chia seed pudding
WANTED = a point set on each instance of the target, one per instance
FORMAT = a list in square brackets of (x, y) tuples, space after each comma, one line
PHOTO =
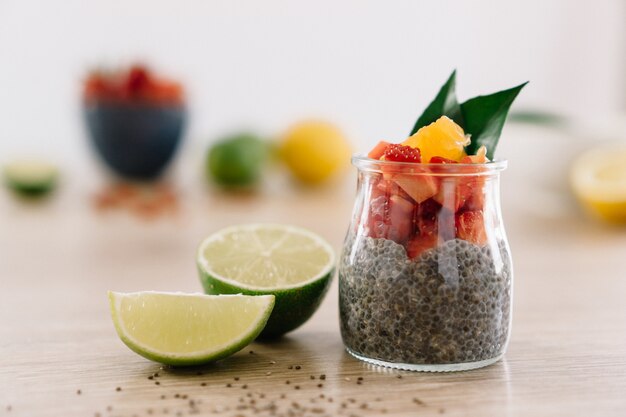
[(425, 277), (449, 305)]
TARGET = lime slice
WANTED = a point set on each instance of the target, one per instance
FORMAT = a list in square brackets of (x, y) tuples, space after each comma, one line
[(293, 264), (188, 329), (598, 179), (31, 177)]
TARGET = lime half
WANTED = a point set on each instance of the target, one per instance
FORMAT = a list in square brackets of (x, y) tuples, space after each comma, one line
[(188, 329), (293, 264), (30, 177)]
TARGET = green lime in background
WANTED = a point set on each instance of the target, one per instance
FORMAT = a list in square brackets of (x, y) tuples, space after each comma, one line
[(237, 161), (31, 178)]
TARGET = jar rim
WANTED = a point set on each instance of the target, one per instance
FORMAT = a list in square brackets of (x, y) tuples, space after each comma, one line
[(362, 162)]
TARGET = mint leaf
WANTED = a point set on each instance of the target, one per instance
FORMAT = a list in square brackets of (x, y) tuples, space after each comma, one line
[(485, 116), (445, 103)]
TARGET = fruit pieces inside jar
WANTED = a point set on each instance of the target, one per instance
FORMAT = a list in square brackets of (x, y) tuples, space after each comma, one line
[(419, 210), (135, 84)]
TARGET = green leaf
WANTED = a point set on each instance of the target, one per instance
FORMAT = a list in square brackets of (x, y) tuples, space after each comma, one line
[(445, 103), (485, 116)]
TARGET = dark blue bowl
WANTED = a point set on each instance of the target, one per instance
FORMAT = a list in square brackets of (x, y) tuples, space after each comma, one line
[(137, 141)]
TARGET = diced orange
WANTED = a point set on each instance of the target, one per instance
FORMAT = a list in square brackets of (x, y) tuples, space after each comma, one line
[(441, 138)]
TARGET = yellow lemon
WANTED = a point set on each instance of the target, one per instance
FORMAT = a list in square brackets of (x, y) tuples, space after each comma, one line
[(598, 178), (441, 138), (314, 151)]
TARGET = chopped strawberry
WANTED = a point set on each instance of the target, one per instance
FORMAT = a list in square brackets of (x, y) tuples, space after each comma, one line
[(96, 86), (442, 160), (137, 81), (426, 228), (476, 200), (470, 226), (378, 150), (400, 219), (377, 223), (400, 153), (419, 244), (453, 192)]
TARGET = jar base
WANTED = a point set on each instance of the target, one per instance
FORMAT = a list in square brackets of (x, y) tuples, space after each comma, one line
[(448, 367)]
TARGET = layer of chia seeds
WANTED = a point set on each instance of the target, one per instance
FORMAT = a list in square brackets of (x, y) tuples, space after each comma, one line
[(450, 305)]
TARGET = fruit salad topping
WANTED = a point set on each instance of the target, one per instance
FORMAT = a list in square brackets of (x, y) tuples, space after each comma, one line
[(421, 206), (135, 84)]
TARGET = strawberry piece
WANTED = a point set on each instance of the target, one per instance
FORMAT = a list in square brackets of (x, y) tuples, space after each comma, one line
[(400, 153), (96, 87), (442, 160), (476, 200), (420, 244), (470, 226), (377, 223), (400, 220), (378, 150), (137, 81), (454, 192), (426, 224)]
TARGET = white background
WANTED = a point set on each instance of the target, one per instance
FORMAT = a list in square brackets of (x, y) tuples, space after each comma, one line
[(369, 66)]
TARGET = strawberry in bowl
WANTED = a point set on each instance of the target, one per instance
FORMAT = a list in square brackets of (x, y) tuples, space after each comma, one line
[(135, 120)]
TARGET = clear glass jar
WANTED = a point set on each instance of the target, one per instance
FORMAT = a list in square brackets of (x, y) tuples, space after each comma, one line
[(425, 276)]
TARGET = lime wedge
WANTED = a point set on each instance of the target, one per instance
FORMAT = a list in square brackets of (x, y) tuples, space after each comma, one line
[(30, 177), (188, 329), (293, 264)]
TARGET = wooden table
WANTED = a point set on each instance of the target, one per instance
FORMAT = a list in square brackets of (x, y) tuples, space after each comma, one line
[(60, 356)]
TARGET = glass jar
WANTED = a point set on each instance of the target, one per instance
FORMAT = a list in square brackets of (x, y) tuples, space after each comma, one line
[(425, 276)]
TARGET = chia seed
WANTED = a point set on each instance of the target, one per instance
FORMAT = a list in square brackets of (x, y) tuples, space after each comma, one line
[(449, 305)]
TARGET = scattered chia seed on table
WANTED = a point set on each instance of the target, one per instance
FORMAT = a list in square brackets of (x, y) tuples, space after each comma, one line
[(449, 305)]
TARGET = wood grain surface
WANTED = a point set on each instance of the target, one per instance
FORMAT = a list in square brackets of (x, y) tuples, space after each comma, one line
[(60, 356)]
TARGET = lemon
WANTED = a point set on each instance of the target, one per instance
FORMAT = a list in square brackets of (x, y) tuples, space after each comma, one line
[(293, 264), (441, 138), (598, 178), (188, 329), (314, 151)]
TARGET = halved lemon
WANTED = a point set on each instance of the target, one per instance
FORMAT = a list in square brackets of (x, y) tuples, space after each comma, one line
[(598, 178)]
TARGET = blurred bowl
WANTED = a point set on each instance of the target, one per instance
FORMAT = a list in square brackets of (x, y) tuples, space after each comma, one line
[(135, 140)]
